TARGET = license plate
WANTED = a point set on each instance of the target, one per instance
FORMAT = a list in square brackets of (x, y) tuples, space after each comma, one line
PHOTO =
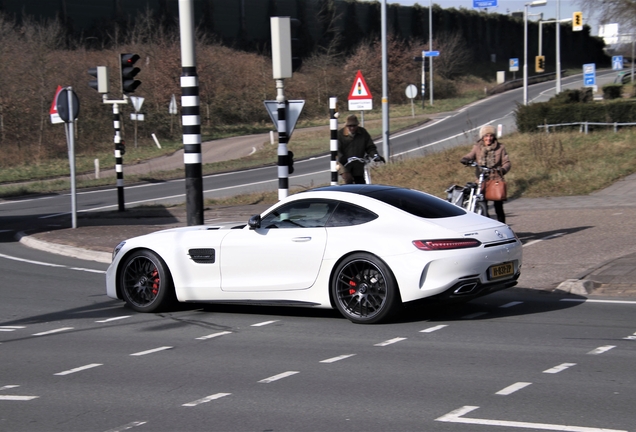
[(501, 270)]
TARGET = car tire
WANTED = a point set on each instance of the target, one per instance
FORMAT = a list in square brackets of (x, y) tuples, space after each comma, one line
[(364, 289), (145, 282), (481, 208)]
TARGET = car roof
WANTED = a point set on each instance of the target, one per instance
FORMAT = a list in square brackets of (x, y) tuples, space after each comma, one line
[(409, 200)]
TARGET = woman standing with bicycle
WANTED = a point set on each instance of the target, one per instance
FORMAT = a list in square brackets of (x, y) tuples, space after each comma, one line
[(492, 154)]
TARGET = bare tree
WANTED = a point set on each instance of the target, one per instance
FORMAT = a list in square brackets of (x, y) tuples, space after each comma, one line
[(454, 58), (622, 12)]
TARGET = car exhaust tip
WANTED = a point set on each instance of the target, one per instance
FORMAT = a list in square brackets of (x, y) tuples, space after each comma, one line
[(466, 288)]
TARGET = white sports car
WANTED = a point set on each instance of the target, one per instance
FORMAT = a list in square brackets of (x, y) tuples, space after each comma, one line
[(363, 249)]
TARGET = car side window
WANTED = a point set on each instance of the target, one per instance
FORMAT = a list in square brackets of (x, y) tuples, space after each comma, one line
[(348, 214), (300, 214)]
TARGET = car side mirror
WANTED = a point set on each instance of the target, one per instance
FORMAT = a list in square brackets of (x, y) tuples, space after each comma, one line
[(255, 222)]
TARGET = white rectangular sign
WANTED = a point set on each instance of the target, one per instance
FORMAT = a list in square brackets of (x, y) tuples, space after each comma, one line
[(360, 104)]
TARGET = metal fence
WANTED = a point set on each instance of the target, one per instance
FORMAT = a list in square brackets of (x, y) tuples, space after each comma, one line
[(584, 126)]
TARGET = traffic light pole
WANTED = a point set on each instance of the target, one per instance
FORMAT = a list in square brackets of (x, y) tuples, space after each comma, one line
[(119, 150)]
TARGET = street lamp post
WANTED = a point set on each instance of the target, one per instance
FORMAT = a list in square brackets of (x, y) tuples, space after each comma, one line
[(525, 45), (557, 88)]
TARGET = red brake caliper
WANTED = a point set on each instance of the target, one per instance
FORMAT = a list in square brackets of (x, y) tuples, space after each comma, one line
[(352, 290), (155, 281)]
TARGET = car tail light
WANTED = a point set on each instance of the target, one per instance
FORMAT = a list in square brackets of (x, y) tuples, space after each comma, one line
[(447, 244)]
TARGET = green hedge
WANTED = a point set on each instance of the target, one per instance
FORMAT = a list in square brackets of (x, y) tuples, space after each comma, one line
[(612, 91), (556, 111)]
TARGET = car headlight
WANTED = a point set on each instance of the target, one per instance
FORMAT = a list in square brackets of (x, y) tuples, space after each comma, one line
[(117, 249)]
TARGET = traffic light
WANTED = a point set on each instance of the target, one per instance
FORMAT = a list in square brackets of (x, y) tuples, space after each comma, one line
[(296, 44), (128, 72), (290, 161), (577, 21), (121, 146), (539, 65), (100, 83)]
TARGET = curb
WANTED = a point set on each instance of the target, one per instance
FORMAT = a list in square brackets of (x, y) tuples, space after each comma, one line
[(69, 251)]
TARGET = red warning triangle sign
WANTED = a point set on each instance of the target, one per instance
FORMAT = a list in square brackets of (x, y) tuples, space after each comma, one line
[(55, 117), (359, 90)]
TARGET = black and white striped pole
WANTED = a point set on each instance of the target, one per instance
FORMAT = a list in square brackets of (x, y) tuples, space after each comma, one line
[(333, 142), (283, 138), (190, 116), (281, 69), (120, 149)]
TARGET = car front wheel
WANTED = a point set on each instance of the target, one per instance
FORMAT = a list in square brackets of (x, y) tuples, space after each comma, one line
[(364, 289), (145, 282)]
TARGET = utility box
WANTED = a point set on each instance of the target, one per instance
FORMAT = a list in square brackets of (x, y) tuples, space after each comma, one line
[(501, 77), (281, 47)]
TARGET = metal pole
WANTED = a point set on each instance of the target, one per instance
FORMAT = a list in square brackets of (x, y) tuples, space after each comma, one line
[(385, 88), (119, 160), (71, 155), (430, 47), (632, 58), (283, 156), (423, 79), (525, 55), (333, 141), (558, 48), (191, 117), (540, 36)]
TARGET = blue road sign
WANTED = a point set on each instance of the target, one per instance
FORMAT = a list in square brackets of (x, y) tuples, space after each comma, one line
[(617, 62), (589, 75), (430, 53), (514, 65), (484, 3)]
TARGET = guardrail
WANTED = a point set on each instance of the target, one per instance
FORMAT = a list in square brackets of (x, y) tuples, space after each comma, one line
[(516, 83), (584, 126)]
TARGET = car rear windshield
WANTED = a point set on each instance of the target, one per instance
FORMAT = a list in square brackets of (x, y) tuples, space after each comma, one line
[(417, 203)]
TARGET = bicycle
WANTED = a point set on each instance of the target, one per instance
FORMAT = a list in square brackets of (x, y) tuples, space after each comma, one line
[(368, 162), (471, 196)]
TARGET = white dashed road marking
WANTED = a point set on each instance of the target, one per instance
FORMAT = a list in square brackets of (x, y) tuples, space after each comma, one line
[(279, 376), (53, 331), (390, 341), (151, 351), (264, 323), (79, 369), (206, 399), (213, 335), (335, 359), (432, 329), (601, 350), (559, 368), (513, 388)]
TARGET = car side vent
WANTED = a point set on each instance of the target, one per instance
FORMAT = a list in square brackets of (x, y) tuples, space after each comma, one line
[(202, 256)]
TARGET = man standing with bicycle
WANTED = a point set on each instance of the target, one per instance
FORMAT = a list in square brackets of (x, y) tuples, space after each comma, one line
[(490, 153), (355, 141)]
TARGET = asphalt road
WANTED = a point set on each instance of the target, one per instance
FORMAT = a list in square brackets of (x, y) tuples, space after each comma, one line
[(74, 360)]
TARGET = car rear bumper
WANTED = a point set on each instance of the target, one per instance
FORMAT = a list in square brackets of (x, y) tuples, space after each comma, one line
[(468, 289)]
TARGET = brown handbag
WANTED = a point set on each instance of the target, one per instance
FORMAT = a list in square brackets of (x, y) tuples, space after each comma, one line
[(495, 189)]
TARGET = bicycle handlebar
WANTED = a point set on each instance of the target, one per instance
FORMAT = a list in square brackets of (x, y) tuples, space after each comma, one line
[(481, 167)]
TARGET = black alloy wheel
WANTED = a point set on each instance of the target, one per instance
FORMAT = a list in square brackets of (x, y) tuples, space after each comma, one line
[(364, 289), (145, 282)]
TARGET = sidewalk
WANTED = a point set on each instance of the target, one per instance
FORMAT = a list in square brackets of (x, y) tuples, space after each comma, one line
[(583, 245)]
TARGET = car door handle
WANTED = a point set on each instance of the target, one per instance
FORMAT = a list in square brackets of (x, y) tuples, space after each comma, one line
[(301, 239)]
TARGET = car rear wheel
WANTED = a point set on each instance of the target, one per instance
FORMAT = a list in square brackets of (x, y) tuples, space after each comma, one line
[(364, 289), (145, 282)]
